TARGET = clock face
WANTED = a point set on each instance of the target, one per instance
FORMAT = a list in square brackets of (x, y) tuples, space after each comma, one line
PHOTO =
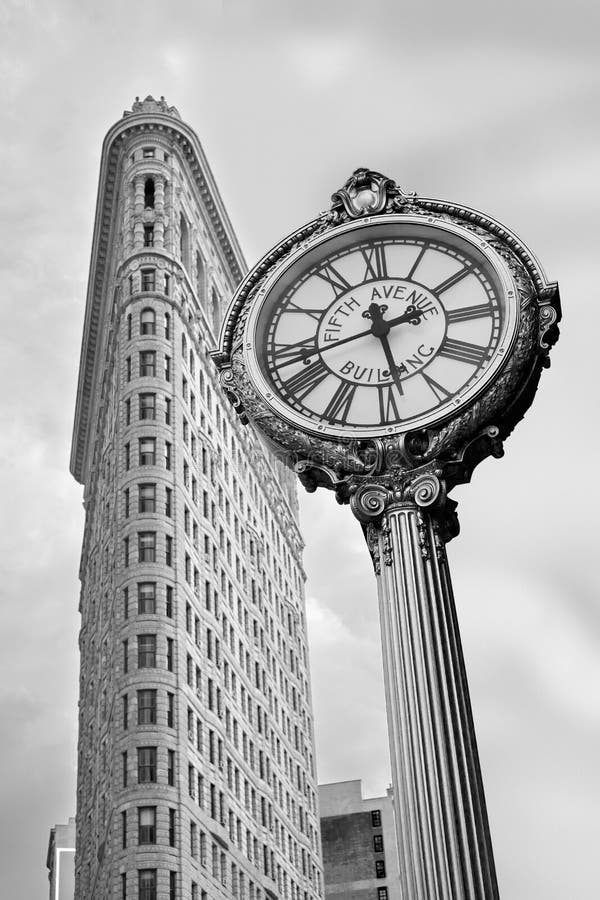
[(381, 326)]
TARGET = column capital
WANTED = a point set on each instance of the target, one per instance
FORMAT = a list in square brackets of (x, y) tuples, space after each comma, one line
[(393, 475)]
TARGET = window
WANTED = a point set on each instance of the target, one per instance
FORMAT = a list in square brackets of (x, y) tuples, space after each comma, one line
[(147, 451), (167, 410), (167, 292), (171, 823), (147, 884), (146, 644), (148, 152), (167, 455), (168, 550), (184, 242), (125, 657), (171, 766), (382, 893), (124, 829), (126, 551), (149, 193), (146, 824), (170, 654), (376, 818), (148, 280), (128, 368), (127, 456), (169, 602), (146, 705), (172, 885), (128, 412), (147, 406), (146, 498), (147, 321), (378, 843), (126, 495), (146, 546), (146, 764), (215, 303), (167, 368), (129, 327), (125, 711), (379, 868), (123, 886), (193, 839), (124, 767), (168, 502), (200, 278), (148, 235), (147, 363), (146, 598)]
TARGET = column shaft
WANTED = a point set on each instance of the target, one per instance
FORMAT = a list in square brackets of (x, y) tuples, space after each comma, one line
[(441, 821)]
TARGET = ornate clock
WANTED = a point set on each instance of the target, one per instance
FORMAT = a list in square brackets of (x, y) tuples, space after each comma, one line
[(392, 327), (386, 348)]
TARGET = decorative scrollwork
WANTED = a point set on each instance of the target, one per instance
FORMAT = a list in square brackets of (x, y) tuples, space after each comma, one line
[(372, 539), (368, 501), (427, 490)]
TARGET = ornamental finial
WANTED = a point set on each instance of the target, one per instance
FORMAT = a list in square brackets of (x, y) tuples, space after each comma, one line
[(365, 193)]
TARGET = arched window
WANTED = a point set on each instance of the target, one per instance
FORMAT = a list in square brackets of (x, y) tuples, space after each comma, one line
[(148, 321), (200, 274), (149, 193), (184, 242)]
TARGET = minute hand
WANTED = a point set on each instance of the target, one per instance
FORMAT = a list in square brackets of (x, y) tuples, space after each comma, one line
[(405, 317)]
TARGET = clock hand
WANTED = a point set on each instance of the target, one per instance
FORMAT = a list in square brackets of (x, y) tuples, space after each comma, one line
[(380, 328), (391, 362), (412, 315)]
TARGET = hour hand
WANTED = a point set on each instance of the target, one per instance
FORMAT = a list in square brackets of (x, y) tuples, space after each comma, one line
[(412, 315)]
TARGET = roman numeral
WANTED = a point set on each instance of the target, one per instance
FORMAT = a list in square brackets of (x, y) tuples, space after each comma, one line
[(454, 279), (388, 408), (465, 313), (414, 266), (440, 392), (307, 379), (331, 275), (294, 308), (286, 354), (463, 351), (375, 262), (339, 405)]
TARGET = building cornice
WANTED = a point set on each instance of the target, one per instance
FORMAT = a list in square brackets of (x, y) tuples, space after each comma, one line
[(133, 125)]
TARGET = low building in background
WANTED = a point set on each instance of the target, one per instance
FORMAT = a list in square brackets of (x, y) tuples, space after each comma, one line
[(359, 844), (61, 861)]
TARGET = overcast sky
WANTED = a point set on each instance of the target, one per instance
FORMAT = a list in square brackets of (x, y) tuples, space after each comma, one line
[(493, 106)]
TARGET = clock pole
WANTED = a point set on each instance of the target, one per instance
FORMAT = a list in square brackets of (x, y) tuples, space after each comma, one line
[(444, 843), (396, 461)]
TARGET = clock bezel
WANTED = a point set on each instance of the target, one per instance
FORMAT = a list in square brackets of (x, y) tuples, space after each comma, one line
[(504, 282)]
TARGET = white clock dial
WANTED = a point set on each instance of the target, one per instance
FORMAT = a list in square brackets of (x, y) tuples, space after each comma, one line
[(384, 327)]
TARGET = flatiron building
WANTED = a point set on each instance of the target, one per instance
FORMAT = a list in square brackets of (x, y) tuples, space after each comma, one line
[(196, 775)]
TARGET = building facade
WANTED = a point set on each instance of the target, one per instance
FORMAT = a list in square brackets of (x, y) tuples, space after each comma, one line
[(60, 861), (360, 857), (195, 757)]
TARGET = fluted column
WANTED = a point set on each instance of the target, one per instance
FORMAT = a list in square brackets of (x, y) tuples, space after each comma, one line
[(442, 829)]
